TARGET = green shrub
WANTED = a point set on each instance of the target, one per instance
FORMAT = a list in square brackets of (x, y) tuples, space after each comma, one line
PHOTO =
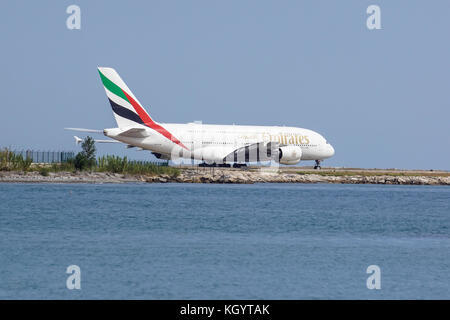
[(86, 160), (25, 163), (80, 162), (44, 171), (11, 161), (117, 164), (63, 166), (113, 164)]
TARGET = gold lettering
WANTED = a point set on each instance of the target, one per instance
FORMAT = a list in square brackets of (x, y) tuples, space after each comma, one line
[(292, 140)]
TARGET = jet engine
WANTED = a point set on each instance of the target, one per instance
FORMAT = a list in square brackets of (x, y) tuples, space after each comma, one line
[(162, 156), (289, 154)]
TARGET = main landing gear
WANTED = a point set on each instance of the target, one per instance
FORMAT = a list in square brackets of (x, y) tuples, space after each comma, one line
[(222, 165), (317, 166), (213, 165)]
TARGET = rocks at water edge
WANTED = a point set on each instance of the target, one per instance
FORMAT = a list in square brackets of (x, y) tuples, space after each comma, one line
[(222, 176)]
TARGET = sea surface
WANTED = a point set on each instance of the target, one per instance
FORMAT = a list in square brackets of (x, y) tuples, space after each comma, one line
[(198, 241)]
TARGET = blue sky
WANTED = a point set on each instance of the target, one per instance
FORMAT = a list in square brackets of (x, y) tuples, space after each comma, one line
[(381, 97)]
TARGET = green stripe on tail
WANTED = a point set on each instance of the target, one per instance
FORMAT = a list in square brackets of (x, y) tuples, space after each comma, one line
[(111, 86)]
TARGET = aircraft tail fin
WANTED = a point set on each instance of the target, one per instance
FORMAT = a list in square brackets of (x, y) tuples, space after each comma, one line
[(126, 108)]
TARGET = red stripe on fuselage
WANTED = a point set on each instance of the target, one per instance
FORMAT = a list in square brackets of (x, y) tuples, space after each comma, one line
[(150, 123)]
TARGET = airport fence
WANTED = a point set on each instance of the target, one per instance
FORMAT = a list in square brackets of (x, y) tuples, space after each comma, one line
[(64, 156), (45, 156), (145, 162)]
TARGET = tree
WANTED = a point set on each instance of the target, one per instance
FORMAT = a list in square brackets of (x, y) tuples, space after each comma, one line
[(89, 150), (86, 158)]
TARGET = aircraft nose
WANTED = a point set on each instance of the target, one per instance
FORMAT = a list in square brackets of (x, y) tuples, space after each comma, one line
[(330, 150)]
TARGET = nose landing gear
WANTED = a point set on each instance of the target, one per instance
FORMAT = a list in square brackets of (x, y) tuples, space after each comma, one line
[(317, 166)]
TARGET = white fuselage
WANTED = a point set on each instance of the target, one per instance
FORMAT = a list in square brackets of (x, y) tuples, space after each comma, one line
[(211, 143)]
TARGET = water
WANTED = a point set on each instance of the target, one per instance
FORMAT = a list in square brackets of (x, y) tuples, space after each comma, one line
[(263, 241)]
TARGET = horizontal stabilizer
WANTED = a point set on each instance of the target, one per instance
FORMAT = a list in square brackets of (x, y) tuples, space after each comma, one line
[(84, 130), (135, 133), (78, 140), (107, 141)]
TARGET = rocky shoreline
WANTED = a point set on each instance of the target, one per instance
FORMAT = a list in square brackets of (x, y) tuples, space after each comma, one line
[(224, 176)]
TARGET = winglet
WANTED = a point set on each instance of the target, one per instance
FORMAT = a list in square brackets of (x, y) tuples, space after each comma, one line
[(77, 140)]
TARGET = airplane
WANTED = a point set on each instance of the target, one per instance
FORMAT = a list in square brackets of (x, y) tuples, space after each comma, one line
[(215, 145)]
